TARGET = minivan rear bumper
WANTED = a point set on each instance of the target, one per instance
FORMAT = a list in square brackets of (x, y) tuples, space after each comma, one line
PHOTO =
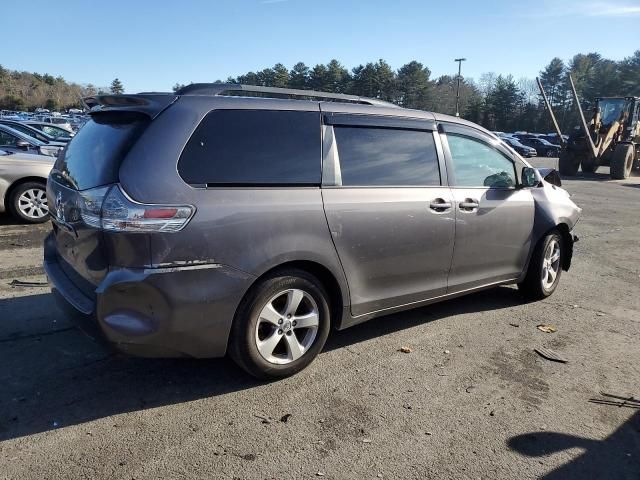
[(172, 311)]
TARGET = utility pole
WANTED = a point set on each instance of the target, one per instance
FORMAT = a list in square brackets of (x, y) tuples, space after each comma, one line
[(459, 60)]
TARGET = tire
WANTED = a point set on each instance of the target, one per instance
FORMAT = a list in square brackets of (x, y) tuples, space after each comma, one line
[(589, 165), (622, 161), (539, 283), (28, 202), (261, 319), (568, 163), (550, 153)]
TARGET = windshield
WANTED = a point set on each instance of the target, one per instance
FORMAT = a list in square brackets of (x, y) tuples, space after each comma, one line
[(611, 109)]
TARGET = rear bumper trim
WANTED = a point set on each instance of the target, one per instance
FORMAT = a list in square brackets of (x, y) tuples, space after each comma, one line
[(59, 281)]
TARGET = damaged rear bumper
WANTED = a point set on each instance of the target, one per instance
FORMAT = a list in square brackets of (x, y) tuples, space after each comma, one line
[(168, 312)]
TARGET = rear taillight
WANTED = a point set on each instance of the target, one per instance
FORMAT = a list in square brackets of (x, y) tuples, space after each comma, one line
[(110, 209)]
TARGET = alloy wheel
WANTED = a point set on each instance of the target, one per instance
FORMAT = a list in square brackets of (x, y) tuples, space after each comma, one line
[(287, 326), (550, 264), (33, 203)]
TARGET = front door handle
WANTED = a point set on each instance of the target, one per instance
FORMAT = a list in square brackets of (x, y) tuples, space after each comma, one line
[(469, 204), (439, 205)]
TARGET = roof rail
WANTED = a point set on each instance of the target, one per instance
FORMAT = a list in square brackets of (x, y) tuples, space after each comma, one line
[(235, 89)]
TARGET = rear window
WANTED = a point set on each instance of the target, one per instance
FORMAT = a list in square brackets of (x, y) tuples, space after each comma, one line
[(386, 157), (254, 147), (94, 155)]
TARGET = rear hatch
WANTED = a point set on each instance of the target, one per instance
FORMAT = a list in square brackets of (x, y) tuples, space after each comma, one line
[(82, 173)]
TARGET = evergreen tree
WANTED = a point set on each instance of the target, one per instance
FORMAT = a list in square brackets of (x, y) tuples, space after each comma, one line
[(630, 74), (413, 86), (503, 102), (280, 76), (337, 78), (299, 76), (318, 78), (116, 87)]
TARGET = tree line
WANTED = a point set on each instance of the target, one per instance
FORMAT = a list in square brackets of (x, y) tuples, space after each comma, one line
[(28, 91), (496, 101)]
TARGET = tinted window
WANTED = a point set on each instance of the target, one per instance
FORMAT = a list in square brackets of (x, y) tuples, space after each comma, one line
[(254, 147), (94, 155), (7, 139), (28, 131), (380, 156), (476, 164)]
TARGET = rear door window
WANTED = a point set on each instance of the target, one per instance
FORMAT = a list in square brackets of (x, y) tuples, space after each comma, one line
[(94, 155), (386, 157), (254, 147)]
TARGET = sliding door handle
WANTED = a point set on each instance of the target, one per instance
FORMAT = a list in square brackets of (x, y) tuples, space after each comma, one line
[(469, 204), (439, 205)]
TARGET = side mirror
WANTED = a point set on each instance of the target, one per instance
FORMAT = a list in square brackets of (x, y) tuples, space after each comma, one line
[(530, 177), (23, 144)]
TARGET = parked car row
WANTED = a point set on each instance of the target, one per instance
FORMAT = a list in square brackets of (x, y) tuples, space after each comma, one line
[(532, 144), (29, 145), (71, 121)]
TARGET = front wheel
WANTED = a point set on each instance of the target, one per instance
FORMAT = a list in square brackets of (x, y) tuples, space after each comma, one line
[(545, 267), (550, 153), (281, 325), (622, 162)]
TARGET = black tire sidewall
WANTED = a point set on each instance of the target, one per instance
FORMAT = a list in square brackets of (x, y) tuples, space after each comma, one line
[(15, 195), (243, 348), (540, 261), (531, 287)]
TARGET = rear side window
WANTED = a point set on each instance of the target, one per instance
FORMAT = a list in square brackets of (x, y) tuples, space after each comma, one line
[(254, 147), (94, 155), (386, 157)]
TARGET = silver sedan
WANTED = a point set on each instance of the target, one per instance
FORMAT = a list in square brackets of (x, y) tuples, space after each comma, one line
[(23, 179)]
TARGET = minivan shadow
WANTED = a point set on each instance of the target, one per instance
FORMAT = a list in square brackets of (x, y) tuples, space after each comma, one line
[(615, 456), (52, 376)]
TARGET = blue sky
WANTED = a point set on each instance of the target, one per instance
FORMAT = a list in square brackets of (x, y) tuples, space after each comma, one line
[(151, 45)]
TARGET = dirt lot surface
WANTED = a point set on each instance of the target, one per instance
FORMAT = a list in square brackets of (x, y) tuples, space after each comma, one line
[(471, 400)]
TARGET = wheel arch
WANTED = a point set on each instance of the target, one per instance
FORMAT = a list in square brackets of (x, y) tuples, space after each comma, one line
[(326, 277), (567, 244)]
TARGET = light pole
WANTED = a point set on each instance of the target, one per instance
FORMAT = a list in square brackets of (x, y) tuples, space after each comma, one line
[(459, 60)]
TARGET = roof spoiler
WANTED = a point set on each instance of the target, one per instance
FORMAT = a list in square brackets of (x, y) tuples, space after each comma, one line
[(151, 104)]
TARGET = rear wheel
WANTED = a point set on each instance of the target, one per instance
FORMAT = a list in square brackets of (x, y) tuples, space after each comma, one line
[(28, 202), (281, 325), (622, 161), (568, 163), (545, 267), (550, 153)]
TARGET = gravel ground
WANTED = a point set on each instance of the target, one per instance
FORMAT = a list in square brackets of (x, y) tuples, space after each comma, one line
[(471, 400)]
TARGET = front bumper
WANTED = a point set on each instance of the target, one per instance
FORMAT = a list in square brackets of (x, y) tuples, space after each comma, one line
[(172, 311)]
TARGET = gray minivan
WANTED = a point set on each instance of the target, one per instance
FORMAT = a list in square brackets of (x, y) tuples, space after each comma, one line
[(252, 220)]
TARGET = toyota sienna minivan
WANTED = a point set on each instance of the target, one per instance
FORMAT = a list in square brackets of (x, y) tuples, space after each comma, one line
[(253, 220)]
